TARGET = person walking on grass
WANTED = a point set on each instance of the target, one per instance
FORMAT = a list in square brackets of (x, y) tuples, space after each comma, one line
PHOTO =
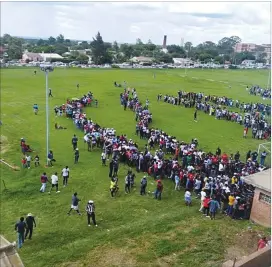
[(214, 206), (30, 222), (28, 161), (76, 155), (159, 189), (195, 115), (44, 180), (65, 174), (20, 228), (206, 203), (90, 209), (188, 198), (50, 92), (54, 182), (74, 142), (74, 205), (35, 109)]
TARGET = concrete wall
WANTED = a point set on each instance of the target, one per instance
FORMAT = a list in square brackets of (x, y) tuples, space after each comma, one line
[(260, 258), (261, 211)]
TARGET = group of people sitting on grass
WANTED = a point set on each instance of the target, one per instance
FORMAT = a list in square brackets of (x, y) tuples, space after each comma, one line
[(257, 90)]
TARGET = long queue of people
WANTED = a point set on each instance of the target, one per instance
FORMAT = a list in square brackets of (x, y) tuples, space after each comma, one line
[(215, 175), (255, 119)]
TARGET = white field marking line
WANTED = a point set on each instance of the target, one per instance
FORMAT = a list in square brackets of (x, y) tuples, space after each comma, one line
[(211, 80)]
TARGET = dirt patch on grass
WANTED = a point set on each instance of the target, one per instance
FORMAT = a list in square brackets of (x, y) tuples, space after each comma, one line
[(111, 257), (244, 244), (4, 145)]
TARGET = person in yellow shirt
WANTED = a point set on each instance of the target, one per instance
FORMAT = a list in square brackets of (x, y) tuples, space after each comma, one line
[(234, 180), (113, 187), (231, 202)]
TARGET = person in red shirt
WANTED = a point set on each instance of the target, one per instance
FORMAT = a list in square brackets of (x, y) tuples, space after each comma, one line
[(206, 203), (159, 190), (44, 180), (23, 162), (262, 243)]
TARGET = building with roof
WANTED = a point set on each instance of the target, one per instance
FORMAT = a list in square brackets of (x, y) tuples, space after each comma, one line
[(50, 56), (141, 60), (29, 56), (261, 206), (8, 254)]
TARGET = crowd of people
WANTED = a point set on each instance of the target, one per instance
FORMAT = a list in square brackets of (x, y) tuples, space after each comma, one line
[(257, 90), (217, 179), (254, 116)]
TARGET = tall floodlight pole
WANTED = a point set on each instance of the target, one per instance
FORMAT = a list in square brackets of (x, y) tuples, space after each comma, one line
[(46, 69)]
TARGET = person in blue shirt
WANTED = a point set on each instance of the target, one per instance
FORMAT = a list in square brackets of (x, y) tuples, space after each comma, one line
[(214, 206), (20, 228), (35, 109)]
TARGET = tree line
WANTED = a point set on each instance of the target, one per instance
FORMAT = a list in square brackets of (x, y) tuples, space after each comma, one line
[(102, 52)]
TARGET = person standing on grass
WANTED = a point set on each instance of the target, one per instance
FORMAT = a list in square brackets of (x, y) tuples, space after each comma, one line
[(177, 181), (20, 228), (74, 205), (23, 161), (188, 198), (159, 189), (50, 158), (245, 132), (74, 142), (96, 103), (214, 206), (143, 186), (35, 109), (103, 158), (90, 209), (65, 174), (202, 197), (77, 86), (76, 155), (206, 203), (55, 183), (37, 161), (30, 222), (44, 180), (195, 115), (230, 206), (50, 92), (35, 72), (28, 161), (127, 184)]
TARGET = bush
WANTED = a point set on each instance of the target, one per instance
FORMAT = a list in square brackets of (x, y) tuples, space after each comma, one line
[(115, 66)]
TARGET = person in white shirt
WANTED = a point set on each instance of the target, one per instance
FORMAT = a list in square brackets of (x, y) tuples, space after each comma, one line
[(103, 158), (203, 195), (28, 160), (54, 182), (187, 197), (65, 174)]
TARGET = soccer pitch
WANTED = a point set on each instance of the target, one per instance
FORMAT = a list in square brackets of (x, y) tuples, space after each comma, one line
[(132, 230)]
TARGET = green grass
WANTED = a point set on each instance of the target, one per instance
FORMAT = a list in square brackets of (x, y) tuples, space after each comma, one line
[(133, 230)]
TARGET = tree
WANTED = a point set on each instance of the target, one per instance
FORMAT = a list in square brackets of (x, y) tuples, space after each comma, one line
[(85, 45), (115, 47), (226, 45), (82, 57), (219, 59), (60, 39), (51, 40), (60, 49), (127, 50), (187, 46), (100, 54), (176, 49)]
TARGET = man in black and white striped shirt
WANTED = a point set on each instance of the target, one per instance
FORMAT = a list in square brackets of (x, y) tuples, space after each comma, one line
[(90, 209)]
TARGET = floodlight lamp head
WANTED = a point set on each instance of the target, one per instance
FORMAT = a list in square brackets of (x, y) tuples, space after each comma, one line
[(46, 67)]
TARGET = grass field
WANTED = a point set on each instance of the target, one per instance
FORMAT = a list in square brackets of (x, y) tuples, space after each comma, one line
[(132, 230)]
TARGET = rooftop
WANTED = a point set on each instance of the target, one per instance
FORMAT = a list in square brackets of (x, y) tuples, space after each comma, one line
[(261, 180), (8, 254)]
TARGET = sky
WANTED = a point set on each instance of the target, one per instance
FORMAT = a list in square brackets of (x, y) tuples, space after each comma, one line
[(126, 21)]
